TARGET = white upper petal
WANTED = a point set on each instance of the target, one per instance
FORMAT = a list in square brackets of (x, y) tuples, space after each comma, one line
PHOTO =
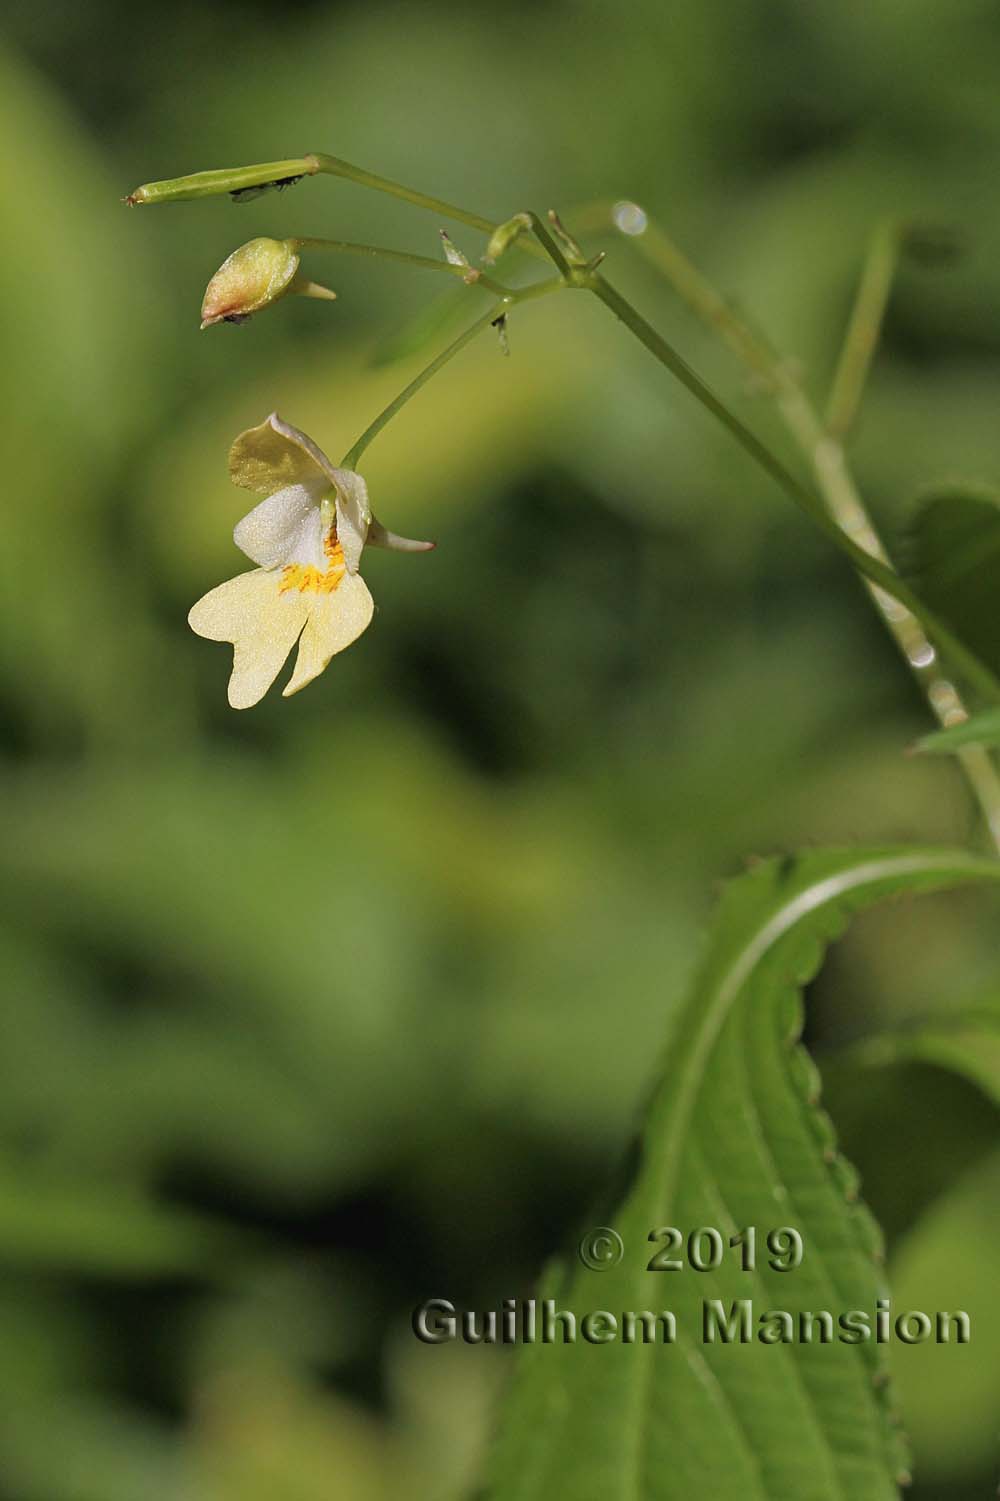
[(270, 532)]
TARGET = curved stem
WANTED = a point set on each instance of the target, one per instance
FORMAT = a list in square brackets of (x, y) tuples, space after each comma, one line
[(263, 175), (871, 567), (910, 634), (498, 310), (350, 459), (333, 166), (863, 329), (705, 301), (821, 445), (471, 276), (843, 517)]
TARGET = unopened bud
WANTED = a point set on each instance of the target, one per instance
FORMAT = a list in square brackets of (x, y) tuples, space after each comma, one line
[(252, 278), (504, 236)]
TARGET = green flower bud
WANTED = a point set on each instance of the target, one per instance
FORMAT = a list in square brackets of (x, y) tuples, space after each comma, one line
[(504, 236), (252, 278)]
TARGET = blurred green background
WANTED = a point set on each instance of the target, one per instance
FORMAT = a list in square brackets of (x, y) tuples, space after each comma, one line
[(314, 1012)]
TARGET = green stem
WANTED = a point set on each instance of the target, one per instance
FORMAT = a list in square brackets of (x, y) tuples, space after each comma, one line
[(910, 628), (871, 567), (863, 329), (843, 517), (701, 296), (498, 310), (350, 459), (333, 166), (471, 275), (268, 174), (549, 246)]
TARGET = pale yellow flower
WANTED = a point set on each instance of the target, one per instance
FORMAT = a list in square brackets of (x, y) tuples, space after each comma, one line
[(307, 537)]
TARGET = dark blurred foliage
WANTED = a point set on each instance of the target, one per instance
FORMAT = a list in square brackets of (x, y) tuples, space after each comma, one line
[(349, 1001)]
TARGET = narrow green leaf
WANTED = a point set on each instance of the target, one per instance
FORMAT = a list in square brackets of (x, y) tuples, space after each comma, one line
[(733, 1138), (955, 562), (981, 729)]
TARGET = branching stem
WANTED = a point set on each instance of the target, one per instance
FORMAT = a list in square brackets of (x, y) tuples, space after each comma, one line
[(498, 310), (915, 629), (838, 509), (471, 275)]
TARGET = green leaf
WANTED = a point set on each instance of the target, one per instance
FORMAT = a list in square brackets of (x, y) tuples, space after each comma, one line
[(967, 1044), (981, 729), (955, 562), (733, 1138), (105, 1234), (907, 1157)]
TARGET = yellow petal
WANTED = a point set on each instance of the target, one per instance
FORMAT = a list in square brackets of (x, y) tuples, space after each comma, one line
[(335, 620), (276, 455), (262, 623)]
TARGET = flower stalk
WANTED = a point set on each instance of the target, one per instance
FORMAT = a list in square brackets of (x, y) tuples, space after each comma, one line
[(492, 316), (472, 276), (837, 509), (914, 628), (264, 175)]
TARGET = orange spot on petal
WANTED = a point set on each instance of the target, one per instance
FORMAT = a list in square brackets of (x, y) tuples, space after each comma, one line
[(308, 579)]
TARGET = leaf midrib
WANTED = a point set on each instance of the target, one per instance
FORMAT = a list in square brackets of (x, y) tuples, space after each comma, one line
[(821, 893)]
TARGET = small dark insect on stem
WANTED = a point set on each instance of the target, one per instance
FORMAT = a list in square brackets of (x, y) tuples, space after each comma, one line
[(245, 195)]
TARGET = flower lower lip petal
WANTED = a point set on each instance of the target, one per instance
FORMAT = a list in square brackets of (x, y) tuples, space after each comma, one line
[(335, 621), (262, 626)]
